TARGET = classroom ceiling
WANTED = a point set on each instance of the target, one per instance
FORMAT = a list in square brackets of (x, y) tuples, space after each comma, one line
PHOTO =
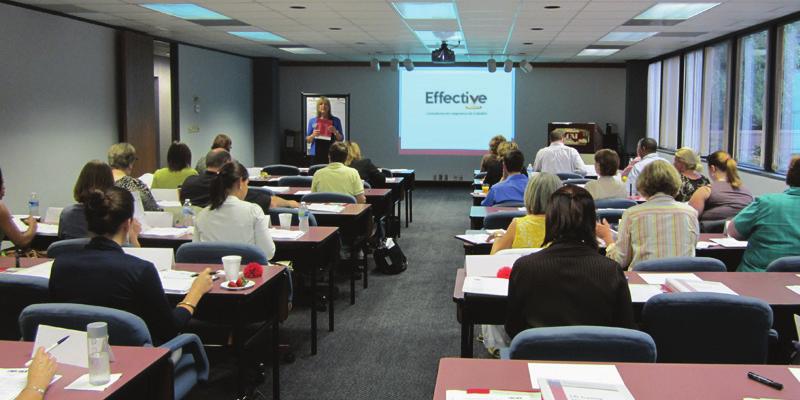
[(364, 29)]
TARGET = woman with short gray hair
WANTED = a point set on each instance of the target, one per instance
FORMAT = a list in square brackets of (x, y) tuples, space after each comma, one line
[(121, 157)]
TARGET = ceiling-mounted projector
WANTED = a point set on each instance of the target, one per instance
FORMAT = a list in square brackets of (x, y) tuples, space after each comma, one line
[(443, 55)]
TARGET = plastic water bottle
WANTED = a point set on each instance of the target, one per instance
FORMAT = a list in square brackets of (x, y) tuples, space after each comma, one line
[(530, 170), (302, 216), (188, 214), (33, 205), (99, 369)]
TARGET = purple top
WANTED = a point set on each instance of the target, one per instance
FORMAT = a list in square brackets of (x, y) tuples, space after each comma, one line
[(725, 201)]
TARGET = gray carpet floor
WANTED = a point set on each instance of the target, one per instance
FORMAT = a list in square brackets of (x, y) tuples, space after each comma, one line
[(387, 345)]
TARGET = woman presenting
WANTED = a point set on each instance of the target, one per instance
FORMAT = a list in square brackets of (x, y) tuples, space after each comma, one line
[(322, 130)]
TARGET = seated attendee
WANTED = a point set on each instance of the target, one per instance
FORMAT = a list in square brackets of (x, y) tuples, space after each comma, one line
[(607, 185), (95, 175), (558, 157), (121, 157), (568, 282), (688, 164), (366, 169), (40, 374), (221, 141), (528, 231), (198, 188), (512, 188), (494, 169), (646, 151), (770, 224), (228, 217), (726, 195), (337, 177), (8, 229), (179, 161), (491, 157), (101, 274), (659, 228)]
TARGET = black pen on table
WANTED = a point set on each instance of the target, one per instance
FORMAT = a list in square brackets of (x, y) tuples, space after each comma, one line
[(50, 348), (766, 381)]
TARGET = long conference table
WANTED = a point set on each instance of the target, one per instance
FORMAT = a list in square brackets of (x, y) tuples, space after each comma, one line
[(645, 381)]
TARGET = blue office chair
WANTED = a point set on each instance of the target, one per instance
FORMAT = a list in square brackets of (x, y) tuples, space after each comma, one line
[(614, 203), (262, 189), (568, 175), (328, 197), (281, 170), (510, 204), (66, 246), (314, 168), (275, 211), (124, 329), (212, 252), (297, 181), (785, 264), (387, 173), (612, 215), (582, 343), (681, 264), (717, 226), (710, 328), (501, 220), (366, 185), (575, 181), (16, 293)]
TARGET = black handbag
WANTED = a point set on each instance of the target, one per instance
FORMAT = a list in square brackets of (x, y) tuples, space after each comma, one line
[(389, 258)]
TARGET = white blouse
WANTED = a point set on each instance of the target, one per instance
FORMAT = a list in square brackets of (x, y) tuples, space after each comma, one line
[(235, 221)]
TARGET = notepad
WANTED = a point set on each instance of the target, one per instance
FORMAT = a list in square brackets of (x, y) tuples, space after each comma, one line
[(730, 242), (490, 395), (40, 270), (167, 232), (660, 279), (82, 383), (285, 234), (485, 286), (641, 293), (590, 373), (475, 238), (73, 351), (794, 288), (13, 380), (176, 282), (561, 389), (47, 229), (326, 207), (486, 265), (686, 285), (703, 245)]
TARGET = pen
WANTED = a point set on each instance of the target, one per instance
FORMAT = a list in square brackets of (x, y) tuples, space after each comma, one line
[(50, 348), (762, 379)]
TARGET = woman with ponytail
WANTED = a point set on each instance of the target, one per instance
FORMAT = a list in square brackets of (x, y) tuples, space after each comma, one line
[(101, 274), (726, 195), (228, 217)]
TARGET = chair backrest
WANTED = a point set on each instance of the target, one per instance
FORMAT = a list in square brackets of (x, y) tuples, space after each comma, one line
[(165, 194), (366, 185), (510, 203), (568, 175), (212, 252), (712, 226), (501, 219), (612, 215), (281, 170), (387, 173), (583, 343), (314, 168), (328, 197), (66, 246), (614, 203), (785, 264), (124, 328), (519, 250), (298, 181), (575, 181), (16, 293), (275, 220), (262, 189), (708, 328), (681, 264)]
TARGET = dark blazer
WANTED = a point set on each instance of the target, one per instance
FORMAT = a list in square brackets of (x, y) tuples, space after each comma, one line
[(369, 172), (494, 171), (103, 275), (197, 189), (72, 222), (567, 284)]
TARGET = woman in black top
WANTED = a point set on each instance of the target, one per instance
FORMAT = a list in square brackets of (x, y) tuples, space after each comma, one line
[(72, 221), (568, 282), (103, 275), (366, 169)]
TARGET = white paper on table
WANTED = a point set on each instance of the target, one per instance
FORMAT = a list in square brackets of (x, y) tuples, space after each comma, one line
[(475, 238), (47, 229), (165, 194), (486, 286), (589, 373), (285, 234), (795, 372), (278, 189), (73, 351), (579, 390), (169, 204), (487, 265), (492, 395), (323, 207), (796, 289), (302, 192), (39, 270), (13, 380), (82, 383), (730, 242), (162, 258), (641, 293), (703, 245), (177, 282), (167, 231), (684, 285), (660, 279)]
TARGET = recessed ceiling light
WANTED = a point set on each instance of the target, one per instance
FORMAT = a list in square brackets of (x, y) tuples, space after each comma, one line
[(335, 29), (527, 43), (185, 11), (298, 7), (597, 52), (300, 50), (675, 11), (629, 37), (537, 29), (552, 7), (425, 10), (259, 36)]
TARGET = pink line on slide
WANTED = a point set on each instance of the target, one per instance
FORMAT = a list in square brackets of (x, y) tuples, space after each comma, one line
[(442, 152)]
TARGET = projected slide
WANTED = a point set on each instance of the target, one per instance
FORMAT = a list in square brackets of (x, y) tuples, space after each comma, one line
[(454, 110)]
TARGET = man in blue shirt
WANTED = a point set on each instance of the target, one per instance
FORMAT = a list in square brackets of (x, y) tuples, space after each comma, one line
[(512, 188)]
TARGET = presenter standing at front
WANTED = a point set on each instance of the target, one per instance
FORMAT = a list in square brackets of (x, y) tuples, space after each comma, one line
[(322, 130)]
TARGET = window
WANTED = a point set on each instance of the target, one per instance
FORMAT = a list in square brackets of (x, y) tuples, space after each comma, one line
[(787, 134), (653, 99), (750, 106), (670, 89), (714, 128), (692, 99)]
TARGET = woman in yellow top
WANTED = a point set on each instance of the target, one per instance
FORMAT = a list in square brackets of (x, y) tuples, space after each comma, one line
[(528, 231), (179, 161)]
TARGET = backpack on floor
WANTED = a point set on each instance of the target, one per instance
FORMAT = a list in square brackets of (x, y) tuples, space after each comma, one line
[(389, 259)]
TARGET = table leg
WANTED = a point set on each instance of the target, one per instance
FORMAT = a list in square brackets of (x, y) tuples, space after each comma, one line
[(366, 268), (353, 268), (276, 358), (411, 205), (238, 344), (466, 337), (314, 310), (330, 296)]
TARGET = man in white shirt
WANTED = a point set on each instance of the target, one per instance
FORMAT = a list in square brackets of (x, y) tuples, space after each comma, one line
[(558, 157), (646, 150)]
